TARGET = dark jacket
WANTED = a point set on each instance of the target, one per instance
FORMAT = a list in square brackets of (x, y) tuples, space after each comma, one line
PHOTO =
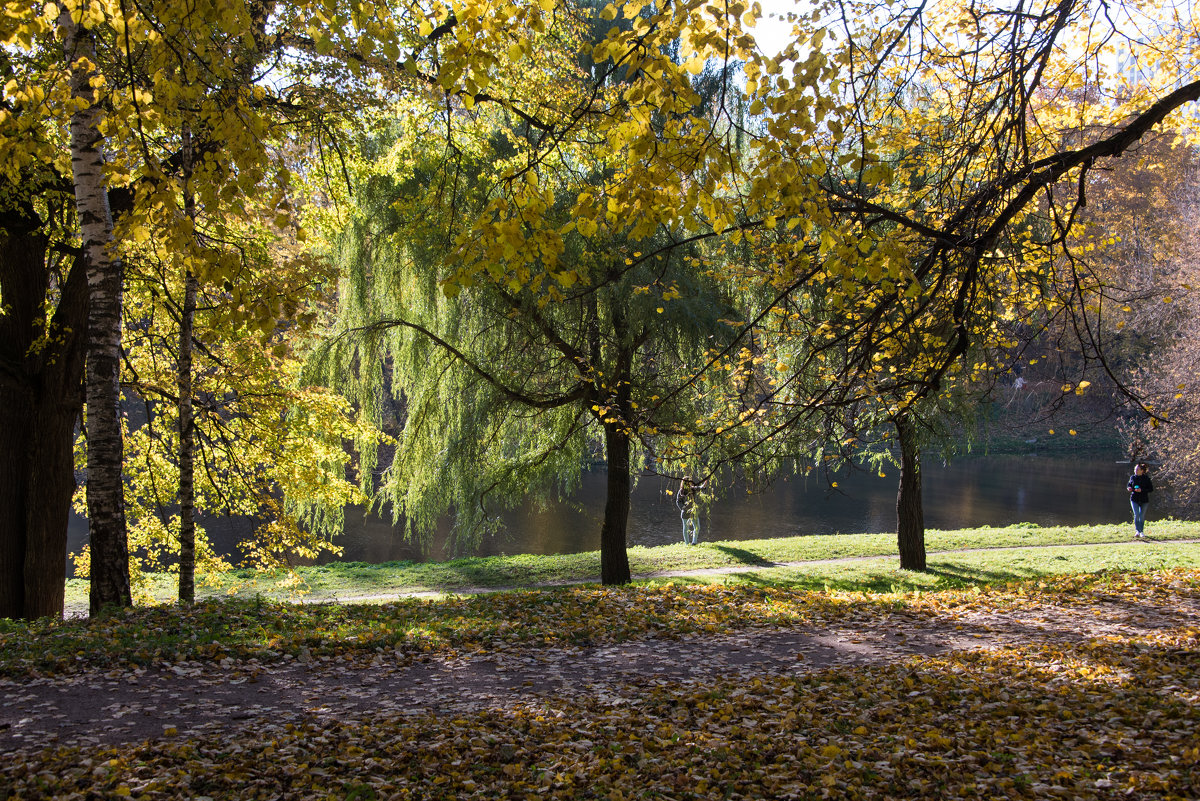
[(1140, 487), (686, 498)]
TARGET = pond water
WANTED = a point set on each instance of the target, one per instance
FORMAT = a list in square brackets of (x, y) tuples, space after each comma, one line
[(995, 491), (990, 490)]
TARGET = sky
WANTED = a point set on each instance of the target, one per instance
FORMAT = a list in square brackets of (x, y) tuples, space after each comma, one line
[(772, 35)]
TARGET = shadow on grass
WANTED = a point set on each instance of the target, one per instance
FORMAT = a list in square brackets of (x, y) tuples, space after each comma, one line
[(954, 577), (936, 577), (744, 556), (817, 583)]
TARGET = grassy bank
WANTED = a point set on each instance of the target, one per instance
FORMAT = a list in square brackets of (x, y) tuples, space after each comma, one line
[(770, 560), (244, 627)]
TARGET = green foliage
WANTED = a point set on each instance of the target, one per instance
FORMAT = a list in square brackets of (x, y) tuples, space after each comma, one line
[(542, 345)]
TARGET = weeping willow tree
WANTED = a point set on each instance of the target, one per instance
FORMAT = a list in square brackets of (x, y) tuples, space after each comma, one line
[(506, 390), (524, 266)]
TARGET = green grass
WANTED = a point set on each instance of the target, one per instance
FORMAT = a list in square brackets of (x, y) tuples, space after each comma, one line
[(953, 571), (251, 624), (356, 579)]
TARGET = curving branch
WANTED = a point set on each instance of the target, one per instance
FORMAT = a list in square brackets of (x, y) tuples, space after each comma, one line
[(577, 394)]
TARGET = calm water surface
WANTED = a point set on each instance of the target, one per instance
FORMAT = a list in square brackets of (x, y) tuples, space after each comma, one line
[(992, 490)]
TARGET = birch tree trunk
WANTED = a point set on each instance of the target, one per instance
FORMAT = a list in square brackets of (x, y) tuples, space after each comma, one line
[(105, 492)]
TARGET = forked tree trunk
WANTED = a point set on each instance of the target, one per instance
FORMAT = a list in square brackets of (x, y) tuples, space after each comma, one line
[(105, 491), (910, 517), (614, 556)]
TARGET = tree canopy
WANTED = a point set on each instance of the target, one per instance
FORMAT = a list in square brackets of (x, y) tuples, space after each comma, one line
[(619, 218)]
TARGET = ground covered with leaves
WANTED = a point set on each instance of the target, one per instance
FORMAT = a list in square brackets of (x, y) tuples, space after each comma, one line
[(1075, 687)]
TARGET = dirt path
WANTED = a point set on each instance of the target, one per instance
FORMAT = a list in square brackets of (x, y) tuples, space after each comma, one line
[(199, 700)]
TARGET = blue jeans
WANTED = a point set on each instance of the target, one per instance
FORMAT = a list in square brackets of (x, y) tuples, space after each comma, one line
[(1139, 515), (690, 522)]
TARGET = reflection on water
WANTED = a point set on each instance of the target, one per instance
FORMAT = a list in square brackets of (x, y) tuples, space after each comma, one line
[(993, 490)]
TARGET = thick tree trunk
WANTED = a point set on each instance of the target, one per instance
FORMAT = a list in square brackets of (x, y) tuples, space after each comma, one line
[(41, 368), (614, 557), (16, 401), (37, 480), (105, 488), (51, 485), (910, 517)]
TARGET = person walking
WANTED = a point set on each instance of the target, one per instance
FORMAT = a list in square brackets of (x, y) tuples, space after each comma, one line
[(1140, 486), (685, 499)]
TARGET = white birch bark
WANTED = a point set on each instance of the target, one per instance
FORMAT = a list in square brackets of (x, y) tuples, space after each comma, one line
[(109, 543)]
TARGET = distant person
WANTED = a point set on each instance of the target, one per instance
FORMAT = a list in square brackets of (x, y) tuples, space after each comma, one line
[(685, 499), (1140, 486)]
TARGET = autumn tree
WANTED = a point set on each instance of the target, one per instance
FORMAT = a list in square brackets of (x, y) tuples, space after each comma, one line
[(266, 447), (1157, 214), (1135, 242), (220, 281), (930, 174), (539, 263), (44, 313), (97, 97)]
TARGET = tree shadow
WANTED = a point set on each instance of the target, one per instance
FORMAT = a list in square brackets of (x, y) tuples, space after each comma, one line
[(934, 578), (968, 577), (744, 556), (818, 583)]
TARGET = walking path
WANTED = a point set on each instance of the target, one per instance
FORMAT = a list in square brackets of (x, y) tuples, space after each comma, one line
[(209, 699)]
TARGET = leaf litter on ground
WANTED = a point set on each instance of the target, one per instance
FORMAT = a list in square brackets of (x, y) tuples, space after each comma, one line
[(1110, 712)]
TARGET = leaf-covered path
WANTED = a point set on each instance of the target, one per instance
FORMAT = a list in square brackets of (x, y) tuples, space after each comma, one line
[(197, 698), (1089, 690)]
